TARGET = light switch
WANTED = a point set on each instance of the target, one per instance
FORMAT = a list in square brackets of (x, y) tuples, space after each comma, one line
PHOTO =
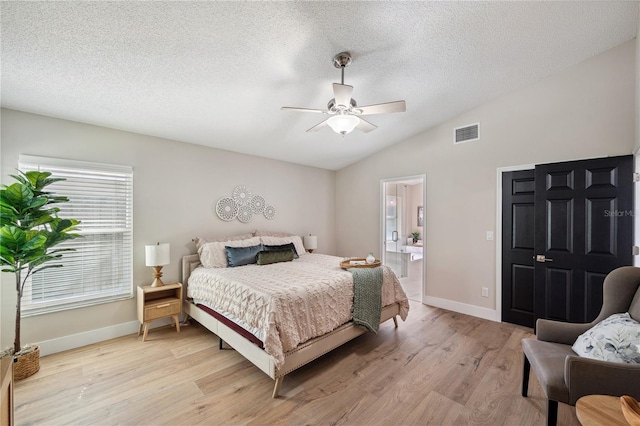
[(489, 235)]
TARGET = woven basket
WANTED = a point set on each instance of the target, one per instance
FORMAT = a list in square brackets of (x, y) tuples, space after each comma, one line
[(27, 365), (345, 263)]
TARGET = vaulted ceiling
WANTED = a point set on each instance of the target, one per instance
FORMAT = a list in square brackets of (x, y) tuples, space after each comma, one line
[(217, 73)]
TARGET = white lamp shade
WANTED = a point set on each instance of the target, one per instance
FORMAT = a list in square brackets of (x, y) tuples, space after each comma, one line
[(310, 242), (343, 123), (157, 254)]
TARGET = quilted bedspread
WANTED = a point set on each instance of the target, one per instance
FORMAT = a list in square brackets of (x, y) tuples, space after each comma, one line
[(286, 304)]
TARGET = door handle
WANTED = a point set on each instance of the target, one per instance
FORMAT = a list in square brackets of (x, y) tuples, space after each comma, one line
[(541, 258), (394, 236)]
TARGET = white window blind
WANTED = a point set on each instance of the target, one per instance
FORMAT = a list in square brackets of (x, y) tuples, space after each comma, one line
[(100, 268)]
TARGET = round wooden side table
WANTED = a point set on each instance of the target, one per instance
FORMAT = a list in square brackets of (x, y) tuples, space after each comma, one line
[(598, 410)]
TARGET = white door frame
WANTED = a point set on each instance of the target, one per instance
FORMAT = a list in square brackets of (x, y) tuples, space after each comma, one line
[(422, 177), (498, 291)]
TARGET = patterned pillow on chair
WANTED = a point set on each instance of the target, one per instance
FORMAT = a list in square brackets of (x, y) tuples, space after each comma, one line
[(613, 339)]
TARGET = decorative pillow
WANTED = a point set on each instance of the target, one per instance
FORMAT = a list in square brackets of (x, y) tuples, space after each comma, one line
[(213, 254), (238, 256), (289, 246), (613, 339), (276, 241), (202, 241), (268, 257)]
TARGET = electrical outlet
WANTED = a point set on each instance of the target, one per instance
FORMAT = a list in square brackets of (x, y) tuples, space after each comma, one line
[(485, 291), (489, 235)]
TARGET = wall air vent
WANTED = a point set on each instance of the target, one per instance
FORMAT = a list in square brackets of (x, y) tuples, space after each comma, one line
[(466, 134)]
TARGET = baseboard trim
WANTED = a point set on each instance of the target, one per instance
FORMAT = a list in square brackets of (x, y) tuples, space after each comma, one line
[(463, 308), (72, 341)]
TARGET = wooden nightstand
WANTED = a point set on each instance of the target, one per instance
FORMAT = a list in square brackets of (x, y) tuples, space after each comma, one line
[(159, 302)]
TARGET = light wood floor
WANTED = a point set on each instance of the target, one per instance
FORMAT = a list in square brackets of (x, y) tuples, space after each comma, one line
[(439, 368)]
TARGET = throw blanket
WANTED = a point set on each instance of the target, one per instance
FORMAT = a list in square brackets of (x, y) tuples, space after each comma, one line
[(367, 297)]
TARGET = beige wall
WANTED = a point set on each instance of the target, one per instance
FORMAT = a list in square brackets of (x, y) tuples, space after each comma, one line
[(636, 259), (585, 111), (175, 187), (416, 199)]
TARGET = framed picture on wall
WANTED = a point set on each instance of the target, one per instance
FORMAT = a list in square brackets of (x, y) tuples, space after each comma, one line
[(420, 216)]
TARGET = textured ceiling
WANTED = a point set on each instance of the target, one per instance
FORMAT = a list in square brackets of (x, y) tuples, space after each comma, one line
[(217, 73)]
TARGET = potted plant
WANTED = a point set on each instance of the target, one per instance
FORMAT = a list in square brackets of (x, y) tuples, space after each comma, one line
[(29, 230), (416, 236)]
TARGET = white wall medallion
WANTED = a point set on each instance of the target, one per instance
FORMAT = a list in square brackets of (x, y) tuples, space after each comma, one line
[(227, 208), (257, 204), (241, 194), (270, 212), (243, 205), (245, 214)]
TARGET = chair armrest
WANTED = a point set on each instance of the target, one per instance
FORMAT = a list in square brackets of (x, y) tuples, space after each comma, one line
[(585, 376), (560, 332)]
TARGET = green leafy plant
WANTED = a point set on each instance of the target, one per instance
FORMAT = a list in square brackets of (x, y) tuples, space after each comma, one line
[(416, 235), (30, 228)]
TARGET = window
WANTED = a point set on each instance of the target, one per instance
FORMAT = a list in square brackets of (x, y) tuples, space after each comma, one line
[(100, 268)]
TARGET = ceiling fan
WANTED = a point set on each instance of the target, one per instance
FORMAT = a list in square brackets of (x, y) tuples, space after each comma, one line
[(344, 111)]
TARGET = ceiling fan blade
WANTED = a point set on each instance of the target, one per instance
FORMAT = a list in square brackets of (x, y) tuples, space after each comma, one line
[(397, 106), (318, 126), (365, 126), (342, 94), (321, 111)]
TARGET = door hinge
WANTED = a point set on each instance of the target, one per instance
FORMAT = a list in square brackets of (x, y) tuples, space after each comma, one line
[(636, 177)]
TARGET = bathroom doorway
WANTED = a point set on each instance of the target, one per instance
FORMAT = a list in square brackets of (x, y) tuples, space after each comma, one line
[(403, 225)]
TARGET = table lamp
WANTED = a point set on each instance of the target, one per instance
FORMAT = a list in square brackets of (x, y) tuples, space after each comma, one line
[(157, 255), (310, 242)]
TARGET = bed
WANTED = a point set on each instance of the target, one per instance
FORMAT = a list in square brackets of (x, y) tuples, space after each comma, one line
[(283, 315)]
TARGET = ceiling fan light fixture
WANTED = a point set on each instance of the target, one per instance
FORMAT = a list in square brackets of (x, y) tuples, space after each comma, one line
[(343, 123)]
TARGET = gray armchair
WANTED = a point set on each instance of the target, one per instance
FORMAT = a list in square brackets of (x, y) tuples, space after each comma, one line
[(563, 375)]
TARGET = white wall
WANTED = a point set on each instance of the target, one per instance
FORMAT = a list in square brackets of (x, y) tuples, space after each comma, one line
[(416, 198), (175, 187), (636, 259), (585, 111)]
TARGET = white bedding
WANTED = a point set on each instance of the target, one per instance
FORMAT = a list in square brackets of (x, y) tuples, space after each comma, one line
[(285, 304)]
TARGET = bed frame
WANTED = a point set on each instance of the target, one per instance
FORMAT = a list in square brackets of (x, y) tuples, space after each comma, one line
[(295, 358)]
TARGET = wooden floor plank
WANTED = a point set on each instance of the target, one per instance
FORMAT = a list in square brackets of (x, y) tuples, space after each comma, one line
[(437, 368)]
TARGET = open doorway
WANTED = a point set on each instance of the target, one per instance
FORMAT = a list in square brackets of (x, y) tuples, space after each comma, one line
[(403, 225)]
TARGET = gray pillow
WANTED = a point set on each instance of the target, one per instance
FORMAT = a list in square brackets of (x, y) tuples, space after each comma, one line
[(239, 256), (274, 256), (289, 246)]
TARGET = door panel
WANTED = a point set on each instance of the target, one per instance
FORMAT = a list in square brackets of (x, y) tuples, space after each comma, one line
[(560, 230), (557, 287), (522, 289), (584, 230), (518, 214)]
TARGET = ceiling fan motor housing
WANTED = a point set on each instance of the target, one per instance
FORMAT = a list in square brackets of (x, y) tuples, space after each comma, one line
[(332, 107), (342, 60)]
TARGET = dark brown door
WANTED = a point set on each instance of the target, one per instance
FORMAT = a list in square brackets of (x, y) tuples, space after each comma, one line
[(565, 227), (518, 218), (584, 230)]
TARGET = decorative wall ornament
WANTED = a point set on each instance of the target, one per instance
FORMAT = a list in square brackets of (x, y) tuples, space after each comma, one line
[(242, 205), (257, 204), (245, 214), (226, 208), (270, 212), (241, 194)]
